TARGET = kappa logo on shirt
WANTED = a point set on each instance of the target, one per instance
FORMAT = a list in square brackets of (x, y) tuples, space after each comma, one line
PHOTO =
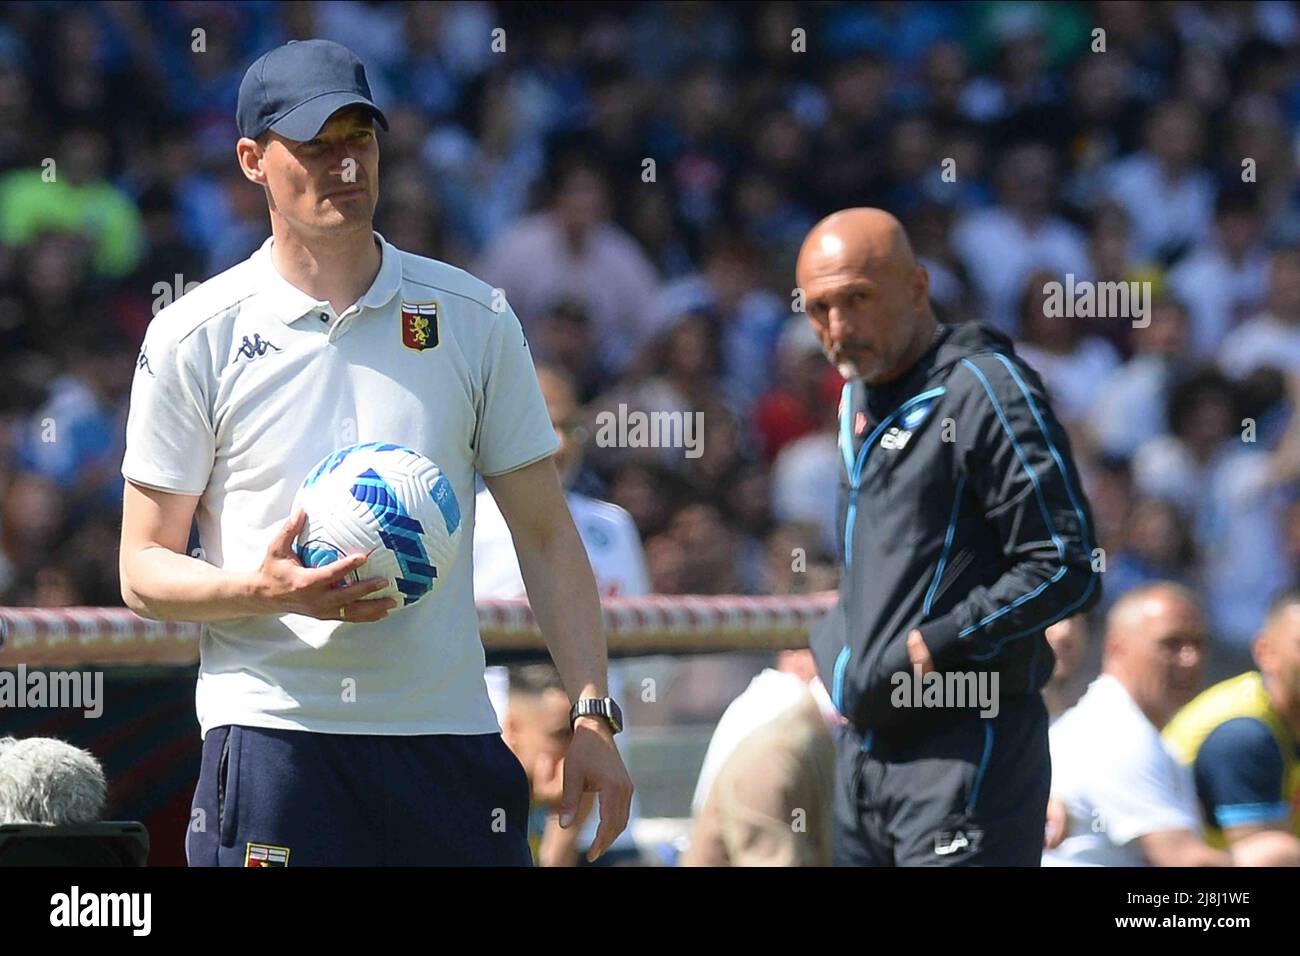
[(254, 349)]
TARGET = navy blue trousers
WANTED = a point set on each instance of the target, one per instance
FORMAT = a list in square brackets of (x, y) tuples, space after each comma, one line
[(293, 798), (947, 791)]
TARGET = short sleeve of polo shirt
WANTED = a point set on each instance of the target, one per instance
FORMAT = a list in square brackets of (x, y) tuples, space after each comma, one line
[(514, 427), (1239, 774), (170, 442)]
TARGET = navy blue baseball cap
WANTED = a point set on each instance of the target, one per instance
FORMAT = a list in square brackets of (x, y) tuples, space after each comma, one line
[(295, 88)]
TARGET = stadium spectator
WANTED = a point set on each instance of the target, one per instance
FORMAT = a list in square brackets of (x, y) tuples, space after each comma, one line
[(1202, 414), (748, 318), (1239, 533), (47, 781), (1272, 338), (1223, 280), (796, 562), (1002, 244), (607, 531), (76, 438), (1238, 740), (930, 223), (70, 192), (1157, 546), (1112, 259), (680, 387), (573, 250), (1167, 191), (1070, 361), (1129, 803), (804, 390), (1128, 407), (564, 338), (484, 180), (32, 516), (804, 484), (769, 801)]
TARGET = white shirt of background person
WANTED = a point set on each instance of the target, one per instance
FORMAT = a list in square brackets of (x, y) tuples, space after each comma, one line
[(1117, 779)]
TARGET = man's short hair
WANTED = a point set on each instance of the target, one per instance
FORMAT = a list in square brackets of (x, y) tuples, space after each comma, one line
[(1178, 591), (1281, 602), (533, 680)]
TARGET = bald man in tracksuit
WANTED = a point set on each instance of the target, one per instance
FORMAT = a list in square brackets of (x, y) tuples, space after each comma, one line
[(965, 535)]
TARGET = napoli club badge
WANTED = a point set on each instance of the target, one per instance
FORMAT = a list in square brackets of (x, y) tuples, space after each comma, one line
[(419, 325)]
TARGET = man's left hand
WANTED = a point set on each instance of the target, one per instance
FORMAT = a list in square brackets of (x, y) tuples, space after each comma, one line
[(593, 764)]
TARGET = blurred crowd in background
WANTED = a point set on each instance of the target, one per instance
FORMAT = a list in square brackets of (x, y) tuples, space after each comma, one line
[(638, 178)]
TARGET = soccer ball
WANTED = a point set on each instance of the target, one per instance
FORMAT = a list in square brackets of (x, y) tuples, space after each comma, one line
[(390, 501)]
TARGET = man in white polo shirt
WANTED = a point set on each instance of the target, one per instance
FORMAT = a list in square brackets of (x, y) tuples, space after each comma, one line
[(333, 732), (1129, 802)]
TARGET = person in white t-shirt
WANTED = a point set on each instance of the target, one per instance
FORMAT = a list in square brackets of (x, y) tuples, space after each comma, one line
[(613, 546), (1272, 338), (1128, 801), (334, 732), (608, 532), (773, 691)]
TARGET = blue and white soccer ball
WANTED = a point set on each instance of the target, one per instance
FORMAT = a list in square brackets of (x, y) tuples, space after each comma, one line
[(390, 501)]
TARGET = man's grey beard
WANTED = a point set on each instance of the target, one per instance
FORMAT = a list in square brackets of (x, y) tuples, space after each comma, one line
[(848, 370)]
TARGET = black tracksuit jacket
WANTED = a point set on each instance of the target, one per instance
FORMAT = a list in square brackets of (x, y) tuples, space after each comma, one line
[(962, 515)]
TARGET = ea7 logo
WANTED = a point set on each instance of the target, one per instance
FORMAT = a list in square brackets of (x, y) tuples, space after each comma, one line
[(948, 842), (895, 439)]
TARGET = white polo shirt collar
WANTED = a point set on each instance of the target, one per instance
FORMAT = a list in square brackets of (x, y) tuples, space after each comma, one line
[(288, 303)]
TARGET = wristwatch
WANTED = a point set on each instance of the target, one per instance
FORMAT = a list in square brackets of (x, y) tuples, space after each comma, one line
[(598, 707)]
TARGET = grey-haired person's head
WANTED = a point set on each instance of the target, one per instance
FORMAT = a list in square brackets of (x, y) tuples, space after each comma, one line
[(48, 781)]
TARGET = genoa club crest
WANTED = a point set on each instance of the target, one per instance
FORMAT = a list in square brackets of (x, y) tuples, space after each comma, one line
[(261, 855), (419, 325)]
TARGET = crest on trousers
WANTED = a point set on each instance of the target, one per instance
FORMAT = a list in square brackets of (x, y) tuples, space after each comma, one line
[(420, 325), (260, 854)]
